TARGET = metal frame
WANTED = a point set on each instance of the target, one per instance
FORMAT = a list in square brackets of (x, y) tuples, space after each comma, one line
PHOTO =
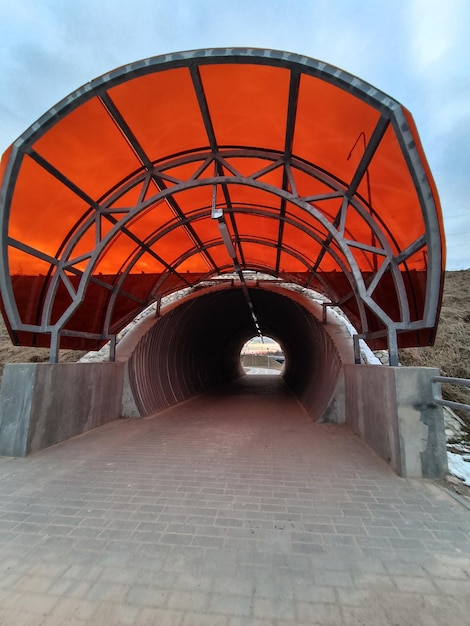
[(436, 384), (213, 167)]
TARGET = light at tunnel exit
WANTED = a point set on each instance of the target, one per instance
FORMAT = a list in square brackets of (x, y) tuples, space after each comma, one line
[(262, 356)]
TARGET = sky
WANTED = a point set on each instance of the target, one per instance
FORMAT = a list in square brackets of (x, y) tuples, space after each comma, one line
[(417, 51)]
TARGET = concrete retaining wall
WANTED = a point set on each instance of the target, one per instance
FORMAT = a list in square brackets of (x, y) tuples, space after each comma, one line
[(44, 403), (392, 409)]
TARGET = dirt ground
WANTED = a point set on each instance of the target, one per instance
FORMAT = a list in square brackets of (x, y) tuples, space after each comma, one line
[(451, 350), (17, 354)]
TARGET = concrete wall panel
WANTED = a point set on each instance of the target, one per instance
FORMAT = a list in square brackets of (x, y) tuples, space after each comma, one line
[(46, 403), (421, 423), (392, 409), (16, 395), (371, 408)]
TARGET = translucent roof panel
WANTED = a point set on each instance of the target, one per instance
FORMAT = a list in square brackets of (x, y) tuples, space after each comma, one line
[(253, 111), (176, 169), (162, 112), (328, 123)]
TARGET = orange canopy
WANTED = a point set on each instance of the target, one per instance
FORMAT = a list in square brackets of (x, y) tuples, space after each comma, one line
[(177, 169)]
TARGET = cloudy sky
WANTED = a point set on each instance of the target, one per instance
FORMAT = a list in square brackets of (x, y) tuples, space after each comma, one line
[(418, 51)]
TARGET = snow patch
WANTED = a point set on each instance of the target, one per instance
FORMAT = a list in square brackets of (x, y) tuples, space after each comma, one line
[(459, 466)]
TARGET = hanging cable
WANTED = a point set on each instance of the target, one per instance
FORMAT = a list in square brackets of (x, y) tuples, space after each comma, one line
[(217, 214)]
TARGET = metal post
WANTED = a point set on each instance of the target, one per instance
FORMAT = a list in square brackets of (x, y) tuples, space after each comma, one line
[(54, 349), (112, 349), (324, 310), (357, 350), (392, 347)]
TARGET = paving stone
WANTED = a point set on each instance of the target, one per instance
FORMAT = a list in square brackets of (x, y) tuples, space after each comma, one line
[(37, 603), (192, 618), (17, 618), (188, 600), (208, 542), (9, 598), (274, 608), (10, 580), (316, 613), (414, 584), (449, 570), (70, 588), (90, 544), (116, 614), (254, 621), (189, 582), (176, 539), (33, 584), (141, 595), (370, 615), (451, 588), (333, 578), (231, 605), (150, 616), (307, 591), (339, 540), (307, 548)]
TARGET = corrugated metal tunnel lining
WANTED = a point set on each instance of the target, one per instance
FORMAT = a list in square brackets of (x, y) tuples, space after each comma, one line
[(196, 346)]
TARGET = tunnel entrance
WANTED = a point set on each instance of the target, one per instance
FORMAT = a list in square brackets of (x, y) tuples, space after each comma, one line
[(196, 346), (262, 356)]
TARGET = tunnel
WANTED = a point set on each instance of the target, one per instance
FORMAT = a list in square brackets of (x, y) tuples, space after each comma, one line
[(166, 177), (181, 170), (195, 346)]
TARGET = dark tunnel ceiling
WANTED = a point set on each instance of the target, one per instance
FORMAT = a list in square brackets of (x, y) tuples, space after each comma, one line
[(180, 168)]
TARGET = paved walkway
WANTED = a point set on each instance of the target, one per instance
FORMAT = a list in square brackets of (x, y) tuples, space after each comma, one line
[(234, 513)]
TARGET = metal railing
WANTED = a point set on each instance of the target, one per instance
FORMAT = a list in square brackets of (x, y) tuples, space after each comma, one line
[(436, 383)]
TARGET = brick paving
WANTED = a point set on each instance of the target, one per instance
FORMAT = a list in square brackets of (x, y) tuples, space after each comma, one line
[(233, 509)]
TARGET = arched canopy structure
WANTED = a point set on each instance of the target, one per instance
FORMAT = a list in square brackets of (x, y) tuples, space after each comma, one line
[(185, 167)]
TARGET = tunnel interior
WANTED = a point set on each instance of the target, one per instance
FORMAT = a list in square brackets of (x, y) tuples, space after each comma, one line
[(195, 347)]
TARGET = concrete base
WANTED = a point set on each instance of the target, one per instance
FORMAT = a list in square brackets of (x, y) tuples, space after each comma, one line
[(43, 403), (392, 409)]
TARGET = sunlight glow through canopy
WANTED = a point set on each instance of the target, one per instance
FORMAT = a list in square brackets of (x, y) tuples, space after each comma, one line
[(107, 201)]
